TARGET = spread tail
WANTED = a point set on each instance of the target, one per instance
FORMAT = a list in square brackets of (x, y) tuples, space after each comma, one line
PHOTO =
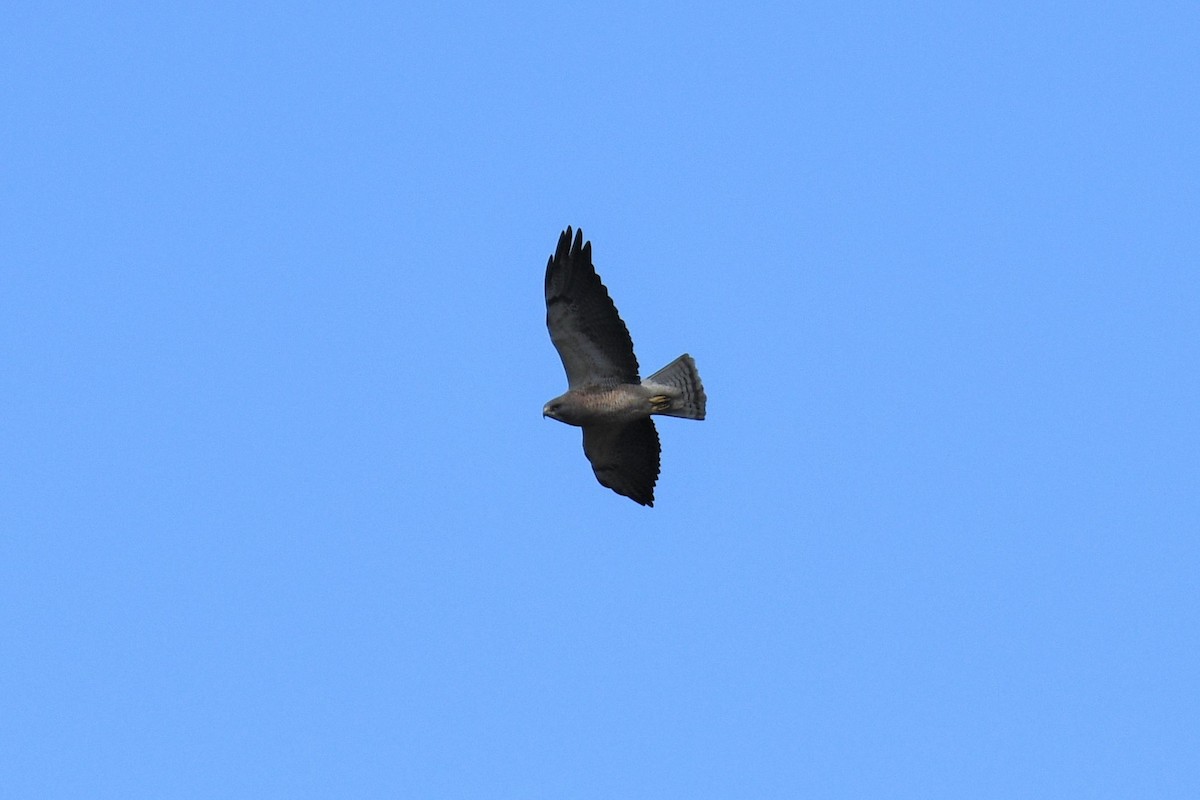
[(677, 389)]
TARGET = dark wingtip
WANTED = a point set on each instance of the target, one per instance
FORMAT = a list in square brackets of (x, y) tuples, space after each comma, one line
[(571, 243), (643, 499), (571, 246), (563, 251)]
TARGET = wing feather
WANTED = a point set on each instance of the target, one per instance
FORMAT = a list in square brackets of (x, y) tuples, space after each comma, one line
[(592, 341), (625, 458)]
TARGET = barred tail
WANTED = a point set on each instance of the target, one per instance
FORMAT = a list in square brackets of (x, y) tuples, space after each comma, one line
[(678, 389)]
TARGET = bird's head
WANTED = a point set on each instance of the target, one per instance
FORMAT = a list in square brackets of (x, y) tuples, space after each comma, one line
[(563, 409)]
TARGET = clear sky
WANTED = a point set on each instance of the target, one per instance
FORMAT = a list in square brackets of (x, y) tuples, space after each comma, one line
[(279, 513)]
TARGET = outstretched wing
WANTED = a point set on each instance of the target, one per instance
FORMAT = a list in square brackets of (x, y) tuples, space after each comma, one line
[(590, 337), (625, 458)]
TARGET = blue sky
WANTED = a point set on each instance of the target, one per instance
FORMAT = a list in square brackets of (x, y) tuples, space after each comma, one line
[(280, 514)]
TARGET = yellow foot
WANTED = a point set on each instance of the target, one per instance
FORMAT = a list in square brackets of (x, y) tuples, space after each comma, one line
[(660, 402)]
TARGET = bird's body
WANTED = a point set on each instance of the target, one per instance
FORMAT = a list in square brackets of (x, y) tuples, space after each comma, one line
[(605, 396), (600, 406)]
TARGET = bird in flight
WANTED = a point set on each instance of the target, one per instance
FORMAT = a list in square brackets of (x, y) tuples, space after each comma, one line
[(604, 395)]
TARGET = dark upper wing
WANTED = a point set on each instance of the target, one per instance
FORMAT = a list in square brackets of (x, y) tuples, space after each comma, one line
[(625, 457), (590, 337)]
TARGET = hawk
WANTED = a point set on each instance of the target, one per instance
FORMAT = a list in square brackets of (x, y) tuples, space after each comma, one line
[(604, 395)]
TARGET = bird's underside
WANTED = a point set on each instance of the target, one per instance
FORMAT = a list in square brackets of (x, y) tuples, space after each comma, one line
[(605, 396)]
